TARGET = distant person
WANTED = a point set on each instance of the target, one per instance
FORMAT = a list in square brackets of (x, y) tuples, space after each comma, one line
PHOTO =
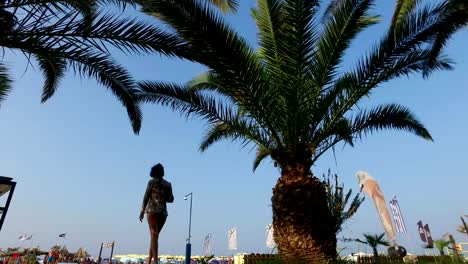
[(158, 193)]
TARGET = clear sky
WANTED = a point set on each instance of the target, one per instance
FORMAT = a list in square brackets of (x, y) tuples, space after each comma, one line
[(81, 171)]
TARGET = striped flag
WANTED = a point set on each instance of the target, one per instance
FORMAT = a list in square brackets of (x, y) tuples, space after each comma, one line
[(397, 216), (232, 239)]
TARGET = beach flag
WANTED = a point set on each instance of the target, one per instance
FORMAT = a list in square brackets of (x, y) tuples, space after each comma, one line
[(63, 235), (370, 187), (232, 238), (397, 216), (430, 242), (422, 233), (108, 245), (270, 241), (25, 237), (208, 251)]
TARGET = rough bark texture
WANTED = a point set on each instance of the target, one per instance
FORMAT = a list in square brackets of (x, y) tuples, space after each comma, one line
[(304, 229)]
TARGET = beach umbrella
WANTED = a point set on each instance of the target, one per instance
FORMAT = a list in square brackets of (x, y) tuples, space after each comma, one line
[(125, 259)]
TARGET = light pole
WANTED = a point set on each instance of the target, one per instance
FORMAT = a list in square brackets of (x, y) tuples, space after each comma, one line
[(188, 246)]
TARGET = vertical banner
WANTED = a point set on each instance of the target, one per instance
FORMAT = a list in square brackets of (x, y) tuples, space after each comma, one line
[(397, 216), (430, 242), (270, 241), (422, 233), (372, 189), (232, 238), (208, 250)]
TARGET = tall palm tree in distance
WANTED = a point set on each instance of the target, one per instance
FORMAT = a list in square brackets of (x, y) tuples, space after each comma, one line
[(77, 35), (374, 241), (292, 98)]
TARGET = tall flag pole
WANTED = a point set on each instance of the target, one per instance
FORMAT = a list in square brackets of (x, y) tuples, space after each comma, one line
[(63, 236), (398, 216)]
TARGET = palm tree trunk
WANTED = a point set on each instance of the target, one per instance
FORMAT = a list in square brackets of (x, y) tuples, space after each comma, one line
[(303, 226), (376, 255)]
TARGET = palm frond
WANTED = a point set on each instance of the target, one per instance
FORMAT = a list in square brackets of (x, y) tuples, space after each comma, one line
[(126, 34), (225, 121), (349, 19), (262, 153), (180, 98), (53, 70), (88, 62), (390, 116), (5, 82), (270, 19), (453, 17), (226, 6), (235, 129), (402, 9)]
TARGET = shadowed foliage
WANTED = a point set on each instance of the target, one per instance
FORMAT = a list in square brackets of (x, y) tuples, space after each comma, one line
[(77, 34)]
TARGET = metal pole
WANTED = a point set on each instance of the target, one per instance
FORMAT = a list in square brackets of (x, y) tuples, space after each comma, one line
[(112, 252), (188, 246), (100, 252), (190, 219)]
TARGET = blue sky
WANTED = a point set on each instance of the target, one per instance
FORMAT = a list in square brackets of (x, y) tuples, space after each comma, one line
[(82, 171)]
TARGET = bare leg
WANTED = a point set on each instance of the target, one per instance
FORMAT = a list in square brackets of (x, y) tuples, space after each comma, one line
[(156, 222), (150, 256)]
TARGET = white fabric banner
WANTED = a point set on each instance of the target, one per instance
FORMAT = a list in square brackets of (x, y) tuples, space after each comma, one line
[(232, 238), (270, 241)]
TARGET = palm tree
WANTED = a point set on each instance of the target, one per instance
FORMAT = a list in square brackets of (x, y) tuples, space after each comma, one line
[(81, 254), (374, 241), (461, 229), (12, 250), (341, 206), (292, 99), (440, 244), (76, 34)]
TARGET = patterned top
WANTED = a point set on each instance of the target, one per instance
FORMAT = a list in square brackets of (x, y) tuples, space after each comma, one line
[(158, 193)]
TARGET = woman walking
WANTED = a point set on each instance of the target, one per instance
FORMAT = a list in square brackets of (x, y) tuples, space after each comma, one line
[(158, 193)]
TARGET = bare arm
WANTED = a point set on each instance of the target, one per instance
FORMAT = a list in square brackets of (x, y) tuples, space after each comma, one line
[(146, 197), (170, 196)]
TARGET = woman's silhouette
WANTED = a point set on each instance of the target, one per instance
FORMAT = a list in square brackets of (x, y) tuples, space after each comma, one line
[(158, 193)]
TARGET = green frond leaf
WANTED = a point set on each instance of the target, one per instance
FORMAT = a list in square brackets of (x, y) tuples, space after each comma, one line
[(5, 82), (262, 153), (226, 6), (402, 10), (348, 19), (391, 116), (53, 69)]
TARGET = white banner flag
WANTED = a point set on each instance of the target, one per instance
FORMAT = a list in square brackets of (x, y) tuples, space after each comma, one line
[(397, 216), (270, 241), (25, 237), (208, 250), (232, 238)]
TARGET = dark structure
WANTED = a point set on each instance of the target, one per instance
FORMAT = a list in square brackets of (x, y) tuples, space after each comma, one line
[(7, 185), (397, 252)]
